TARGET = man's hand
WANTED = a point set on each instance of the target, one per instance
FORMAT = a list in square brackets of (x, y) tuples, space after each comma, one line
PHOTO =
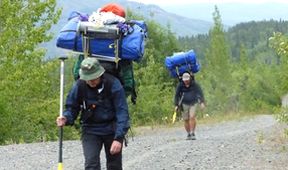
[(115, 147), (61, 121), (176, 108), (202, 105)]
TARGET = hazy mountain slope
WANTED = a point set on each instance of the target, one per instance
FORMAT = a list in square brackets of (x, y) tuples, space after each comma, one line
[(232, 13), (181, 26)]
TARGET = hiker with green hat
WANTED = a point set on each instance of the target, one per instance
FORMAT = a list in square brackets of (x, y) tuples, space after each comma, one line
[(104, 117)]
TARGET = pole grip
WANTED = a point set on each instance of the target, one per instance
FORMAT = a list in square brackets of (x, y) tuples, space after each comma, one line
[(64, 57), (62, 70)]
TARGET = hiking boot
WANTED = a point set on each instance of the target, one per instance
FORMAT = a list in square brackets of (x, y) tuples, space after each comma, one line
[(189, 137), (193, 137)]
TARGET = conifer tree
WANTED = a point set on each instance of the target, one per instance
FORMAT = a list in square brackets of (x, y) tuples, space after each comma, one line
[(217, 70)]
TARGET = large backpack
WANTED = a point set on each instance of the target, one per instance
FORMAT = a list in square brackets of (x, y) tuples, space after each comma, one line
[(180, 63), (133, 34), (116, 46)]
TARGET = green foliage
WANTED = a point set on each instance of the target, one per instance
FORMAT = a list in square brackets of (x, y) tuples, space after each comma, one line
[(199, 43), (249, 78), (27, 82), (217, 69), (153, 106), (280, 43), (155, 93), (254, 37)]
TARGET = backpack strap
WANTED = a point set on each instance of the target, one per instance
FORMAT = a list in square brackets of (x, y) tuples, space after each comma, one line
[(76, 67), (107, 80), (118, 49), (82, 95)]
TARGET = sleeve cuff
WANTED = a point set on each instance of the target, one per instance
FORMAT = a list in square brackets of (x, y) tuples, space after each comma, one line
[(119, 139)]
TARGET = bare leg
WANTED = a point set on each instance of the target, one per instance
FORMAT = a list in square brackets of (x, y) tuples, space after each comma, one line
[(187, 126), (192, 121), (192, 118), (192, 124)]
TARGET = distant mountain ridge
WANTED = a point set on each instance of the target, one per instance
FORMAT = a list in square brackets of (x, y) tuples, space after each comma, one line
[(179, 25), (234, 12)]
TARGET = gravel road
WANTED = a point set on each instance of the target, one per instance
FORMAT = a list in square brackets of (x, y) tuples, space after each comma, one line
[(253, 144)]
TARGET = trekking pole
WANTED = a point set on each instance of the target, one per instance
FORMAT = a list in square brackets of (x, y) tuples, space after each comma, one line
[(62, 70), (175, 111), (174, 116)]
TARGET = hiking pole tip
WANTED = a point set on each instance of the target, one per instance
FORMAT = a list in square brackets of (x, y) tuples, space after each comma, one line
[(60, 166)]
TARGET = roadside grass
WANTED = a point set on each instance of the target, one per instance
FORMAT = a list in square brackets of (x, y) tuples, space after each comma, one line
[(275, 141), (224, 117), (204, 119)]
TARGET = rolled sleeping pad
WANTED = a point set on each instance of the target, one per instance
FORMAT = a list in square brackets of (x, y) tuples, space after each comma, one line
[(182, 62), (180, 59)]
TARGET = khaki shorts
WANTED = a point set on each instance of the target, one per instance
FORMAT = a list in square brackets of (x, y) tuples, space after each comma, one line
[(188, 111)]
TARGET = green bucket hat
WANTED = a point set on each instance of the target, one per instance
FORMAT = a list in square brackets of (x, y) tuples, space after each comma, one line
[(90, 69)]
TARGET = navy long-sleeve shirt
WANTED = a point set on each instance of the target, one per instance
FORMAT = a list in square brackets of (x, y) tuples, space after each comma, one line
[(107, 116), (191, 95)]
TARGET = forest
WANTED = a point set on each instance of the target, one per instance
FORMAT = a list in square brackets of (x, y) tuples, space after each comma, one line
[(243, 70)]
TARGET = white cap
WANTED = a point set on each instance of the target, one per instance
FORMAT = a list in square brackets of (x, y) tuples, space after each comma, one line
[(186, 76)]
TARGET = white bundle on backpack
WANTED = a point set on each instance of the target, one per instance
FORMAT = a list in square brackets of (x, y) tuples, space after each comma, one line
[(105, 18)]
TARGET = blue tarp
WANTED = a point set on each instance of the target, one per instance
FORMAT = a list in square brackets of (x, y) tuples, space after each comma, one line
[(133, 42), (180, 63)]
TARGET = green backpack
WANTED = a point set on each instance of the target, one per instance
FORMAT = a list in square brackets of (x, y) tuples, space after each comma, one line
[(124, 72)]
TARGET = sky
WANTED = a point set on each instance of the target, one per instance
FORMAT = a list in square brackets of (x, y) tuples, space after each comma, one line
[(232, 11), (173, 2)]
